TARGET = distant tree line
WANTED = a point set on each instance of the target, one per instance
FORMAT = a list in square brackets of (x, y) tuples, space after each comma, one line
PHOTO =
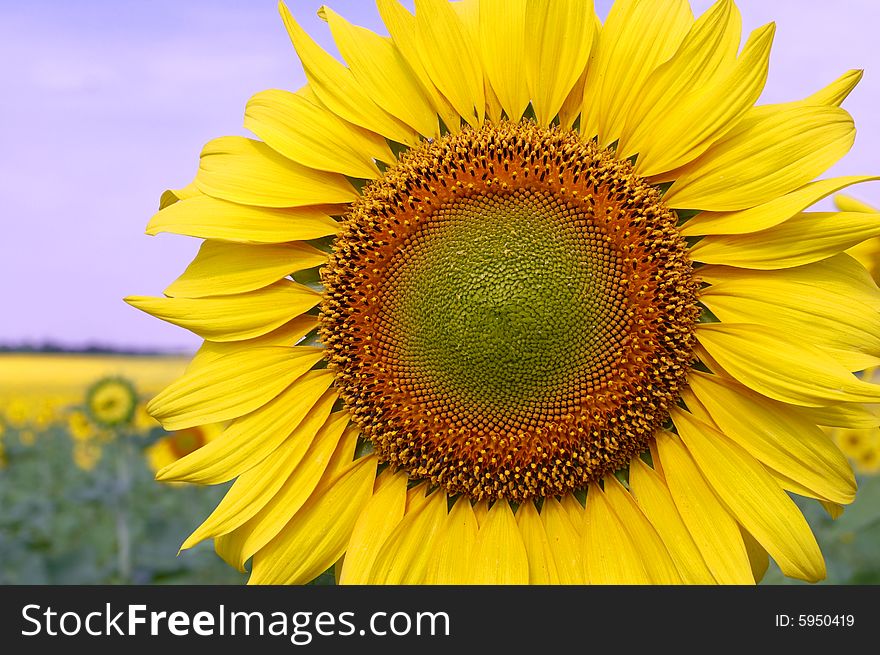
[(92, 349)]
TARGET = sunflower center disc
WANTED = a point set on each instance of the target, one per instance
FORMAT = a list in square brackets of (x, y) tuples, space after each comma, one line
[(509, 312), (522, 312)]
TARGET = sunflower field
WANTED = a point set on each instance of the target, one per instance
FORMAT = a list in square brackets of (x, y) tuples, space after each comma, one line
[(81, 504)]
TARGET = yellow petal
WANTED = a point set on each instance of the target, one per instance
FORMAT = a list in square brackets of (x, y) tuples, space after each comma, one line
[(653, 552), (701, 67), (790, 485), (346, 449), (559, 36), (171, 196), (843, 416), (382, 512), (454, 547), (258, 484), (849, 204), (310, 134), (575, 510), (565, 541), (656, 502), (500, 555), (249, 440), (402, 26), (772, 212), (222, 268), (835, 93), (318, 533), (834, 510), (383, 74), (404, 557), (698, 119), (469, 13), (713, 529), (840, 275), (336, 87), (831, 322), (803, 239), (637, 37), (773, 364), (571, 108), (417, 497), (288, 334), (502, 36), (758, 557), (542, 565), (763, 158), (832, 95), (450, 57), (231, 386), (209, 218), (700, 411), (233, 317), (777, 435), (754, 498), (237, 546), (249, 172), (610, 556)]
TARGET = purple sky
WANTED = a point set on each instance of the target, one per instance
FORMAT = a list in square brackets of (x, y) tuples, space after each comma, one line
[(106, 104)]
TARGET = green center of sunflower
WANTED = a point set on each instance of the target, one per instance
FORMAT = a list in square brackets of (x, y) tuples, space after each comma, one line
[(503, 301), (509, 312)]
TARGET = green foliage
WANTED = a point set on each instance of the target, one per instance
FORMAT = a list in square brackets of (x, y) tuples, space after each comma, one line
[(59, 524)]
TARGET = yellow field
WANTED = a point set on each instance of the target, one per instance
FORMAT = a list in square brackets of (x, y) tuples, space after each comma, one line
[(52, 373), (35, 386)]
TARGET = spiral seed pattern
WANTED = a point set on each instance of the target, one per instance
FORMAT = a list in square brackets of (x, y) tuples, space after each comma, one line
[(509, 312)]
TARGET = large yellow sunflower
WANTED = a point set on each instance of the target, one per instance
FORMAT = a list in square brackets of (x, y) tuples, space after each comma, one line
[(511, 296)]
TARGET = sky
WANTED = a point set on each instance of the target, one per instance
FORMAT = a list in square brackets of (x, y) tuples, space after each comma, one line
[(106, 104)]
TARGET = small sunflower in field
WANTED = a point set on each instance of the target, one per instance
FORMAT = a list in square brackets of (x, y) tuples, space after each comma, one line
[(513, 296), (80, 427), (111, 402), (16, 412), (862, 446), (181, 443)]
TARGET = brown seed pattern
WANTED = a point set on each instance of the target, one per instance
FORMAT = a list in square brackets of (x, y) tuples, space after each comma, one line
[(509, 312)]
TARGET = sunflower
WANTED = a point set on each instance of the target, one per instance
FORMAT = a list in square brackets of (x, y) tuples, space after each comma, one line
[(862, 446), (169, 449), (111, 402), (80, 426), (513, 296)]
